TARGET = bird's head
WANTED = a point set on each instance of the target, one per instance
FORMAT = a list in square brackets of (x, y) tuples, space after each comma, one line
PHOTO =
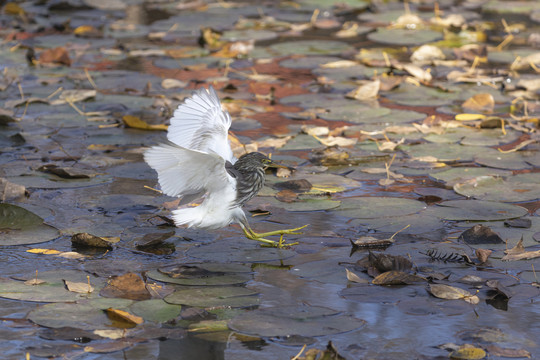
[(257, 160)]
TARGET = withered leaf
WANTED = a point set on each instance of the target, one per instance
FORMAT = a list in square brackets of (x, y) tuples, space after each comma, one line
[(58, 55), (483, 254), (136, 123), (495, 350), (67, 172), (109, 346), (387, 262), (479, 102), (351, 276), (397, 278), (128, 286), (89, 240), (123, 319), (452, 293), (480, 234)]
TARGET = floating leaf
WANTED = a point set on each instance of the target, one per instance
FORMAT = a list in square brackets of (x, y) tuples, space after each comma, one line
[(479, 102), (123, 319), (19, 226), (128, 286), (136, 123), (44, 251), (210, 297), (79, 287), (404, 37), (294, 320), (477, 210), (468, 353), (396, 278), (452, 293), (375, 207)]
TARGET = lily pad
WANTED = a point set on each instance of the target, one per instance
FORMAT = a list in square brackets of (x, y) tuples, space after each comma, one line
[(456, 175), (310, 47), (497, 189), (19, 226), (450, 152), (238, 251), (156, 310), (86, 315), (376, 207), (509, 161), (220, 279), (404, 37), (294, 320), (46, 292), (477, 210), (228, 296)]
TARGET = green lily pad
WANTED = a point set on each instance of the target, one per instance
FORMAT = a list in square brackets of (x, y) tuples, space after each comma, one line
[(477, 210), (19, 226), (325, 4), (404, 37), (46, 292), (314, 204), (221, 279), (50, 181), (307, 62), (238, 250), (156, 310), (302, 142), (294, 320), (509, 56), (310, 47), (511, 7), (497, 189), (412, 95), (376, 207), (86, 315), (496, 159), (447, 153), (229, 296), (456, 175), (244, 35)]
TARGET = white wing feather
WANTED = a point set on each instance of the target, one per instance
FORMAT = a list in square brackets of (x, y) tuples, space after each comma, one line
[(200, 124), (185, 172)]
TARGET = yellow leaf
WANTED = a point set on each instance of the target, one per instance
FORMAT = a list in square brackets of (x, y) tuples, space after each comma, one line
[(483, 101), (13, 9), (470, 117), (123, 316), (43, 251), (136, 123), (83, 29), (468, 353)]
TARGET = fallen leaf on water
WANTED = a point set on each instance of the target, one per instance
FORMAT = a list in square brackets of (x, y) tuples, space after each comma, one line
[(68, 172), (337, 141), (72, 96), (479, 102), (452, 293), (109, 346), (468, 352), (58, 55), (89, 240), (418, 72), (523, 256), (121, 316), (396, 278), (495, 350), (111, 334), (366, 91), (10, 191), (136, 123), (44, 251), (173, 83), (355, 278), (469, 117), (339, 64), (518, 249), (128, 286), (79, 287), (483, 254), (34, 282)]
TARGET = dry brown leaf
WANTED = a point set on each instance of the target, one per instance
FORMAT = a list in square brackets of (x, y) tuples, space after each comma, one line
[(479, 102), (337, 141), (397, 278), (58, 55), (426, 54), (315, 130), (522, 256), (452, 293), (339, 64), (272, 142), (123, 316), (367, 91), (34, 282), (483, 254), (495, 350), (173, 84), (355, 278), (518, 249), (128, 286), (136, 123), (111, 334), (418, 72)]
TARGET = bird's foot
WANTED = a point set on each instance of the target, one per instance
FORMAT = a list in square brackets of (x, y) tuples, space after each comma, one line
[(252, 235)]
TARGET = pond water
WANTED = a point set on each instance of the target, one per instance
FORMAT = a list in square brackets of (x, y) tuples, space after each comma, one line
[(417, 170)]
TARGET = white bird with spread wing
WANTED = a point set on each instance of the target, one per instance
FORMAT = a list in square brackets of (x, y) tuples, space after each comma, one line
[(198, 162)]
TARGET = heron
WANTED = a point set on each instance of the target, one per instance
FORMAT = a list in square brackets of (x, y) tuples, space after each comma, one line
[(197, 162)]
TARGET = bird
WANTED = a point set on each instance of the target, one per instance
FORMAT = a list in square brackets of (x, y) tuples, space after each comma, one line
[(197, 162)]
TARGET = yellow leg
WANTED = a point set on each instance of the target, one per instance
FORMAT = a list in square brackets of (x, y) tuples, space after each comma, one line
[(252, 235)]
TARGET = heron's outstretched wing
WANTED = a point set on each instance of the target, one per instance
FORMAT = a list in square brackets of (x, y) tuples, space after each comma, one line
[(184, 172), (200, 124)]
